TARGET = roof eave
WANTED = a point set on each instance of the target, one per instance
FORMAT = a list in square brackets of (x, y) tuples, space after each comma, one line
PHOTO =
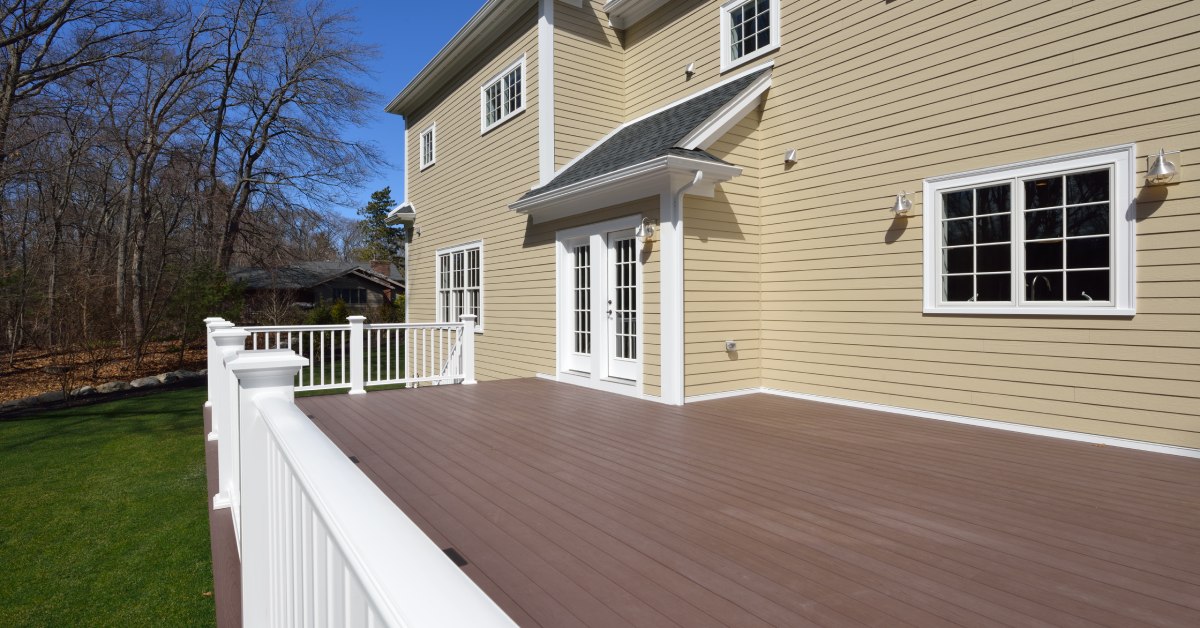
[(632, 182), (625, 13), (473, 38)]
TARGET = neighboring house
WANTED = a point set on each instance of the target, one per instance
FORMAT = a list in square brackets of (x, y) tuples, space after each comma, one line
[(1035, 278), (308, 283)]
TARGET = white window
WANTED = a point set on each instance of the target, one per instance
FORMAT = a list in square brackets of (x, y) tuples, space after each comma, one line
[(428, 146), (502, 97), (1053, 236), (460, 283), (749, 29)]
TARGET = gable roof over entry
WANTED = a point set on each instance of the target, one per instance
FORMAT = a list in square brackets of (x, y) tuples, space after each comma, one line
[(672, 138)]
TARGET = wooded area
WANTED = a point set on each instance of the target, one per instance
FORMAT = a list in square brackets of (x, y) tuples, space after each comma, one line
[(146, 147)]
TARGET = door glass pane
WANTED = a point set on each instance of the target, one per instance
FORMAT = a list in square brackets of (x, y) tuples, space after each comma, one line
[(625, 301), (582, 271)]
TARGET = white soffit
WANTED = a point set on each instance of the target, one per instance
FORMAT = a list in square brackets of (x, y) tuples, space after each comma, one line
[(625, 13)]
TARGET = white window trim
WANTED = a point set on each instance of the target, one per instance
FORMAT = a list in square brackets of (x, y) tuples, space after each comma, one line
[(728, 63), (432, 131), (1123, 264), (437, 281), (484, 128)]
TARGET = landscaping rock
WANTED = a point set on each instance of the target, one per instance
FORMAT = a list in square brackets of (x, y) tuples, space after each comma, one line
[(145, 382), (83, 391), (51, 397), (16, 404), (167, 378), (112, 387), (186, 374), (202, 373)]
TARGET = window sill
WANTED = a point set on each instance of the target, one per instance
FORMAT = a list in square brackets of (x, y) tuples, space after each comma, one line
[(428, 165), (488, 129), (1031, 311), (743, 60)]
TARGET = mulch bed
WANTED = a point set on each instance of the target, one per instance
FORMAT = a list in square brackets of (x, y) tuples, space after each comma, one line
[(36, 371)]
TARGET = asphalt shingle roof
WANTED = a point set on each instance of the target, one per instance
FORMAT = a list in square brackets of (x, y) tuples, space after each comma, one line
[(297, 276), (651, 138)]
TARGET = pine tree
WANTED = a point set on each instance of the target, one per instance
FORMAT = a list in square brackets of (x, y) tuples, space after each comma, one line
[(380, 241)]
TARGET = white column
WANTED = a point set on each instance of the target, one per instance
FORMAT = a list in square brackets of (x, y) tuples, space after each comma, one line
[(671, 294), (227, 342), (357, 343), (208, 326), (259, 375), (468, 349)]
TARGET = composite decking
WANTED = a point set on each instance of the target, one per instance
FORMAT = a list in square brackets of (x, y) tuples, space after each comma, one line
[(575, 507)]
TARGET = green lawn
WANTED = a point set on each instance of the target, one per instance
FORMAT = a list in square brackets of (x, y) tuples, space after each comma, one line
[(103, 517)]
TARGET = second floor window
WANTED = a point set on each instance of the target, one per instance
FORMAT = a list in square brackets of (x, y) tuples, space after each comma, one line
[(504, 96), (749, 29), (428, 149)]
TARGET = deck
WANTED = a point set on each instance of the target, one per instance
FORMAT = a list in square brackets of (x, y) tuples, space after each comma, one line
[(574, 507)]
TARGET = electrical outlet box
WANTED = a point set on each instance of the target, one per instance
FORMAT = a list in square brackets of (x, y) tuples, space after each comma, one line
[(731, 345)]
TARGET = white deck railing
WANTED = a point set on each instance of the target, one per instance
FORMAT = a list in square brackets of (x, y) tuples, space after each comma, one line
[(320, 543), (359, 354)]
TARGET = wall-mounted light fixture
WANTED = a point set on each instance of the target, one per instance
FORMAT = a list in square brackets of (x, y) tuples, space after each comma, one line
[(789, 156), (902, 205), (1160, 170), (690, 70), (645, 231)]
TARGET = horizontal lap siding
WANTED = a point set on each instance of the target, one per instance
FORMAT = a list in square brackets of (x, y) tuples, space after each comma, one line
[(721, 266), (877, 97), (464, 197), (589, 75), (659, 48)]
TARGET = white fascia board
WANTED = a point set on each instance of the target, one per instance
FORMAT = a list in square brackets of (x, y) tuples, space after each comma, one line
[(725, 118), (625, 13), (610, 134), (642, 180)]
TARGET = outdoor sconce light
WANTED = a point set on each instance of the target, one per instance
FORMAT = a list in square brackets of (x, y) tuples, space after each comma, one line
[(645, 231), (1159, 170), (789, 156), (902, 205), (690, 70)]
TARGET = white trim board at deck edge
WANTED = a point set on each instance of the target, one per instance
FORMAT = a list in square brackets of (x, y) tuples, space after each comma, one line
[(1095, 439)]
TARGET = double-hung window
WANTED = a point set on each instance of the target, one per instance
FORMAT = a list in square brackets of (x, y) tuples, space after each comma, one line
[(1054, 236), (428, 146), (502, 97), (749, 29), (460, 283)]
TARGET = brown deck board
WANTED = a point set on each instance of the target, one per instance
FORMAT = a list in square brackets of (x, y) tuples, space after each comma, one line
[(581, 508), (227, 567)]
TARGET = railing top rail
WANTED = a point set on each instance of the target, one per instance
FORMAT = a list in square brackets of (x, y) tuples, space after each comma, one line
[(406, 576), (282, 328), (455, 325)]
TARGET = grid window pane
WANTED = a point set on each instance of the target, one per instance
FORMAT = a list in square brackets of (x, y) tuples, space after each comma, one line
[(976, 244), (749, 28), (1088, 285), (1044, 286), (460, 283)]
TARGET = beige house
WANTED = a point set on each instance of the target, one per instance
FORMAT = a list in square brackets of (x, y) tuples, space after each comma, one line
[(951, 209)]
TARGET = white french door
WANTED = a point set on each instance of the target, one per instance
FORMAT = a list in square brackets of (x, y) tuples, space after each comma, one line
[(600, 303)]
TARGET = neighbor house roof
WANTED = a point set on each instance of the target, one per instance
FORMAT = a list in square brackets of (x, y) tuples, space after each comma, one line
[(308, 274), (661, 134)]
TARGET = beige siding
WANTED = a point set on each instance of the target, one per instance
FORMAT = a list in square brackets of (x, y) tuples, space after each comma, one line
[(877, 97), (464, 197), (722, 238), (589, 81)]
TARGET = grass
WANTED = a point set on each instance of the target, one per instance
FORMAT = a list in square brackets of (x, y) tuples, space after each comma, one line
[(103, 515)]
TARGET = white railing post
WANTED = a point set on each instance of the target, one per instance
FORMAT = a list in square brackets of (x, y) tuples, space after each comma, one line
[(468, 349), (260, 375), (357, 343), (216, 370), (212, 349), (227, 342)]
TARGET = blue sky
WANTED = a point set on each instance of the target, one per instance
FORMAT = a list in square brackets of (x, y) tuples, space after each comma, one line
[(408, 34)]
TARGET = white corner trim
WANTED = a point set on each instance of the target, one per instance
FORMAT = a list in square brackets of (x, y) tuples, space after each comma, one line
[(404, 169), (1021, 428), (725, 118), (607, 136), (545, 91)]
